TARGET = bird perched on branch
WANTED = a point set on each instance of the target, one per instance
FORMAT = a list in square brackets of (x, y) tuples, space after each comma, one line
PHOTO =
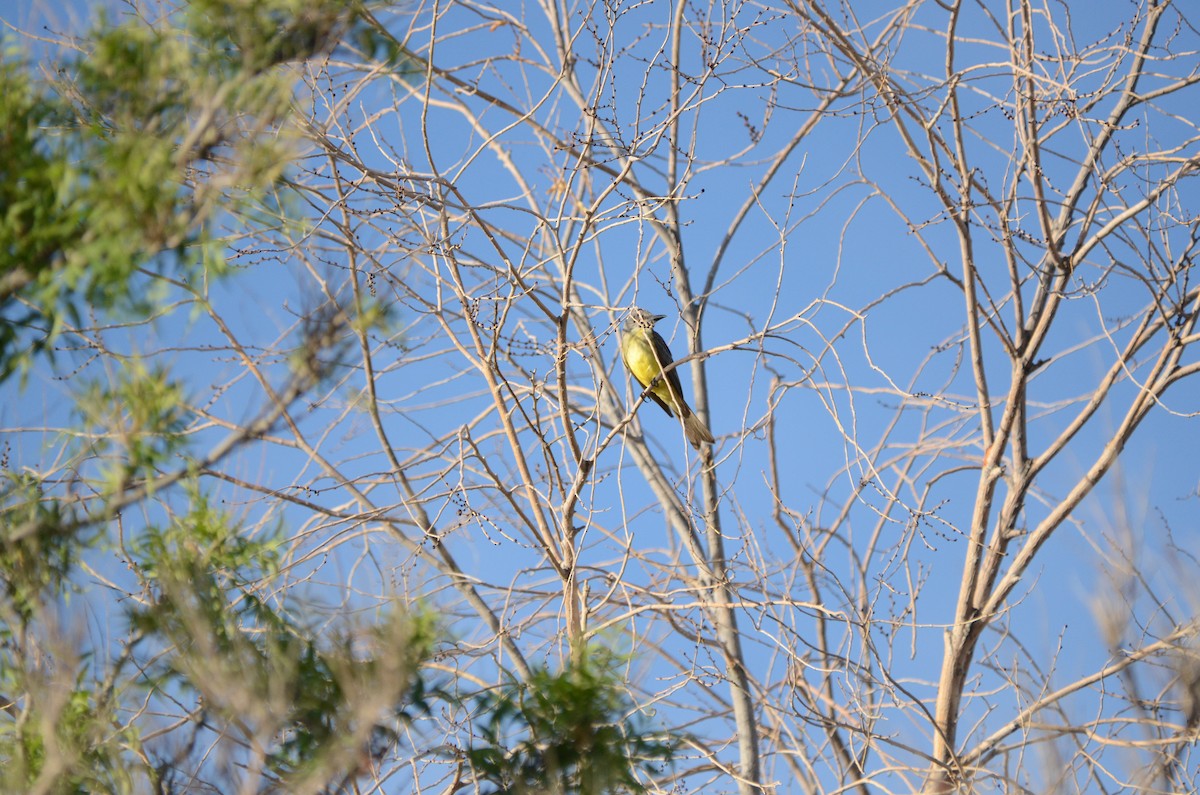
[(645, 354)]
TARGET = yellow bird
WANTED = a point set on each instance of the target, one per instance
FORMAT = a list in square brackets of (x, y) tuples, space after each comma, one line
[(645, 354)]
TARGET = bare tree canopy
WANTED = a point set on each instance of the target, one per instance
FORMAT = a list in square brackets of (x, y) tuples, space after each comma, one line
[(927, 270)]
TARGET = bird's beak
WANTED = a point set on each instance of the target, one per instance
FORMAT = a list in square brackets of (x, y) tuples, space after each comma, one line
[(659, 317)]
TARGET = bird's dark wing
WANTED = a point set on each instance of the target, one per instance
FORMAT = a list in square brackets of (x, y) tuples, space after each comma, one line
[(663, 354), (661, 405)]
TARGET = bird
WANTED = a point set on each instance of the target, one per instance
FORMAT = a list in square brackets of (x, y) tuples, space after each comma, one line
[(645, 354)]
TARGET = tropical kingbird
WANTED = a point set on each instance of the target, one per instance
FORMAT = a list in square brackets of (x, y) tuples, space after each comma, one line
[(645, 354)]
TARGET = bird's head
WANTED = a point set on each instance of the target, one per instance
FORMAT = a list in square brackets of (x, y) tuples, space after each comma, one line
[(640, 318)]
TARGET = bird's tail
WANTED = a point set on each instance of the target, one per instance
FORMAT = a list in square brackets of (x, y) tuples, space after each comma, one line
[(696, 431)]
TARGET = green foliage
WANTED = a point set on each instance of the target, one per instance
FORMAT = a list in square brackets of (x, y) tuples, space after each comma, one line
[(126, 159), (271, 32), (135, 423), (52, 727), (318, 702), (266, 33), (332, 685), (572, 732), (85, 752), (36, 559), (55, 727), (33, 222)]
